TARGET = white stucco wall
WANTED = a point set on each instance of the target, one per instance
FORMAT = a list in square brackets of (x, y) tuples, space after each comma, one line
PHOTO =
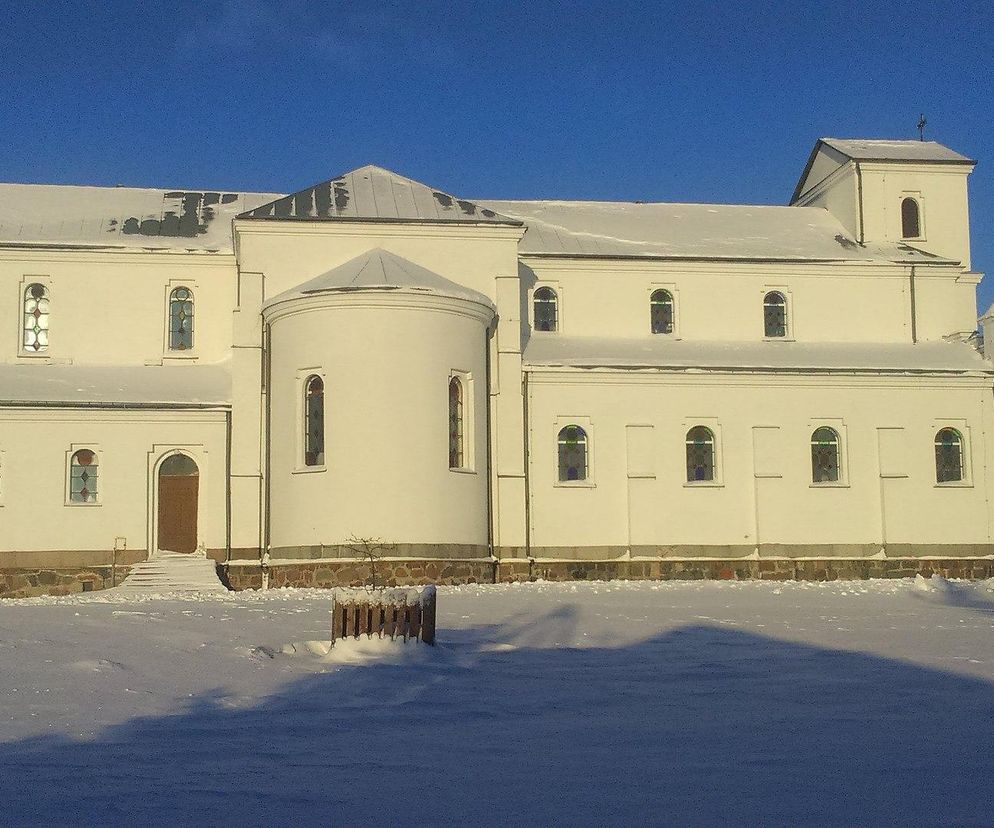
[(37, 444), (386, 361), (110, 307), (644, 499)]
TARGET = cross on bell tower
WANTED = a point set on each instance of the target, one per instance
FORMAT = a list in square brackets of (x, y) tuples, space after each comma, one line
[(921, 126)]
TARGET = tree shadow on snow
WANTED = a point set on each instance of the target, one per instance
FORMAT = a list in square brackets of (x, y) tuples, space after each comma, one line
[(699, 726)]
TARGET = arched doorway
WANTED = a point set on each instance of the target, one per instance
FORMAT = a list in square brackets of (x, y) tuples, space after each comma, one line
[(179, 488)]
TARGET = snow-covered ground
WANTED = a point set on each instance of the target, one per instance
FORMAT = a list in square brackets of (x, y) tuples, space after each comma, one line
[(609, 703)]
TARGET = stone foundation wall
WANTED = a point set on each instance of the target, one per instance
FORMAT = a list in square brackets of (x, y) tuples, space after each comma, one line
[(29, 583), (35, 581), (333, 573), (827, 569)]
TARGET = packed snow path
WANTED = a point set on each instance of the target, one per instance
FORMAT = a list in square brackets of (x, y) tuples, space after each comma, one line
[(662, 703)]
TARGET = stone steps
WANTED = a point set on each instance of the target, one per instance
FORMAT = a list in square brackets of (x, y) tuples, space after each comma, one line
[(173, 572)]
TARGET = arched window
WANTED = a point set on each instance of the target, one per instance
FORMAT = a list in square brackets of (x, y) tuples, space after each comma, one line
[(948, 456), (83, 477), (546, 310), (824, 456), (700, 454), (314, 421), (661, 312), (572, 454), (911, 220), (456, 452), (181, 319), (774, 314), (36, 313)]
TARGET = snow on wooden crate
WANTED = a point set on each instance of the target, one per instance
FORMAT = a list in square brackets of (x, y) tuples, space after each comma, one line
[(397, 612)]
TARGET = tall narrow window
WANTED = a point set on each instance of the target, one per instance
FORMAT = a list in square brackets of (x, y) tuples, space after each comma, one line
[(700, 455), (181, 319), (456, 453), (661, 312), (83, 477), (572, 454), (36, 314), (774, 314), (911, 220), (824, 456), (948, 456), (546, 310), (314, 421)]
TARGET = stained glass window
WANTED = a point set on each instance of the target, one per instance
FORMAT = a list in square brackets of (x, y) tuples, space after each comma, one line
[(911, 226), (700, 454), (83, 477), (774, 314), (948, 456), (824, 456), (572, 453), (181, 319), (661, 311), (314, 421), (546, 310), (36, 315), (455, 424)]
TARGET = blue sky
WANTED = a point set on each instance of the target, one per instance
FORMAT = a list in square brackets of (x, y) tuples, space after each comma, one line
[(716, 102)]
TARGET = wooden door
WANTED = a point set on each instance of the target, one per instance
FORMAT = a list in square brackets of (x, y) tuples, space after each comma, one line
[(179, 489)]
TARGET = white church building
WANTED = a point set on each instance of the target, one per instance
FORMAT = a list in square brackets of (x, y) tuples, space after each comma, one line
[(496, 390)]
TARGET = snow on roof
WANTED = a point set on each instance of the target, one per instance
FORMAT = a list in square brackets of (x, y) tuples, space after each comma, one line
[(867, 149), (723, 231), (177, 385), (663, 352), (126, 217), (372, 193), (380, 270)]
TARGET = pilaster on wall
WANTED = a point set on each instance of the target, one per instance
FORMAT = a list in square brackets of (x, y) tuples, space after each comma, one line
[(507, 417), (247, 396)]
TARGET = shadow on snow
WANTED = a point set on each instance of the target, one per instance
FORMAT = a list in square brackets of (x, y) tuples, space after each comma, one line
[(702, 725)]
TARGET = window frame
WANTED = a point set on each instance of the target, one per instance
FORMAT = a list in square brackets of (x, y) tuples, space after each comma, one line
[(963, 430), (26, 281), (788, 310), (194, 288), (468, 411), (839, 427), (714, 426), (301, 378), (674, 296), (558, 292), (587, 425), (74, 448), (916, 197)]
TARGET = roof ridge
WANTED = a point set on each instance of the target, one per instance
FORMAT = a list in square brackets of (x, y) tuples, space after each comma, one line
[(337, 199)]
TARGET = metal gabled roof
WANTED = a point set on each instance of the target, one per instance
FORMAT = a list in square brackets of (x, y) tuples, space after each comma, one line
[(379, 270), (882, 150), (372, 193)]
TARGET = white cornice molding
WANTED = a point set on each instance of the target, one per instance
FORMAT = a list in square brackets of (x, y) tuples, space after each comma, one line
[(377, 229), (337, 300), (9, 253)]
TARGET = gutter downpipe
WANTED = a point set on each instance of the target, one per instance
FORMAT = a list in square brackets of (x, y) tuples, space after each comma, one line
[(227, 490), (914, 311), (267, 372), (487, 338), (528, 488), (859, 199)]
